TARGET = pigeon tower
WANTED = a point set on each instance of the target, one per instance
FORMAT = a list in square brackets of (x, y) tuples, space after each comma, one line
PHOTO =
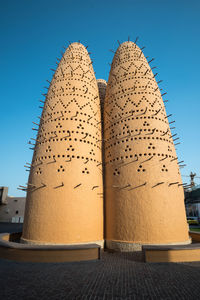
[(144, 199), (64, 192)]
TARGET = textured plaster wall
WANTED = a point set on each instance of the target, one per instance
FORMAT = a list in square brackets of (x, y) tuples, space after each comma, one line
[(65, 194), (144, 200)]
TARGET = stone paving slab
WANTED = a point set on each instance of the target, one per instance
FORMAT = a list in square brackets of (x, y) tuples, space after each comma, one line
[(115, 276)]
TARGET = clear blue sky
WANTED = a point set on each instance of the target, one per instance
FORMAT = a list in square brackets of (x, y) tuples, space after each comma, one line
[(32, 35)]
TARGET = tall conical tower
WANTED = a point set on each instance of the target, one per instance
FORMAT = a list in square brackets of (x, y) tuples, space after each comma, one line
[(102, 84), (65, 195), (143, 188)]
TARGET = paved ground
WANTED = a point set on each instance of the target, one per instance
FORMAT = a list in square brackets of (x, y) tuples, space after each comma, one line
[(116, 276)]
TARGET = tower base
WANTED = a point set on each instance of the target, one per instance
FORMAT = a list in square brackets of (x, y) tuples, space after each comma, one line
[(12, 249), (128, 247), (33, 242)]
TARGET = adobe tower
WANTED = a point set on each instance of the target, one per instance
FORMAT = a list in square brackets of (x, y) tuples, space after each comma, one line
[(102, 84), (143, 190), (65, 194)]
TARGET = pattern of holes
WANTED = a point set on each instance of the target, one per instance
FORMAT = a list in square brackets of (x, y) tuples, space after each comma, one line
[(136, 128), (70, 124)]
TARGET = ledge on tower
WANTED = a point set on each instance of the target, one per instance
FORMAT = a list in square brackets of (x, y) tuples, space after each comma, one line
[(173, 253), (12, 249)]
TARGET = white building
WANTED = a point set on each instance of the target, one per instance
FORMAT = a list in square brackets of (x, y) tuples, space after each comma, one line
[(11, 208)]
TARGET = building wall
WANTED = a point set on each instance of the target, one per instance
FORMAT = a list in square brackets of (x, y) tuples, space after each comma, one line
[(3, 194), (13, 210)]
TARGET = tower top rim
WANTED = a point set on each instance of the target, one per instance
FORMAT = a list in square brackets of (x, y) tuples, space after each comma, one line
[(102, 81), (75, 45)]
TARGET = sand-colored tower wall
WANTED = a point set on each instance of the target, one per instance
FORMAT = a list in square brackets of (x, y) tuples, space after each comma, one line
[(102, 84), (65, 195), (143, 192)]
